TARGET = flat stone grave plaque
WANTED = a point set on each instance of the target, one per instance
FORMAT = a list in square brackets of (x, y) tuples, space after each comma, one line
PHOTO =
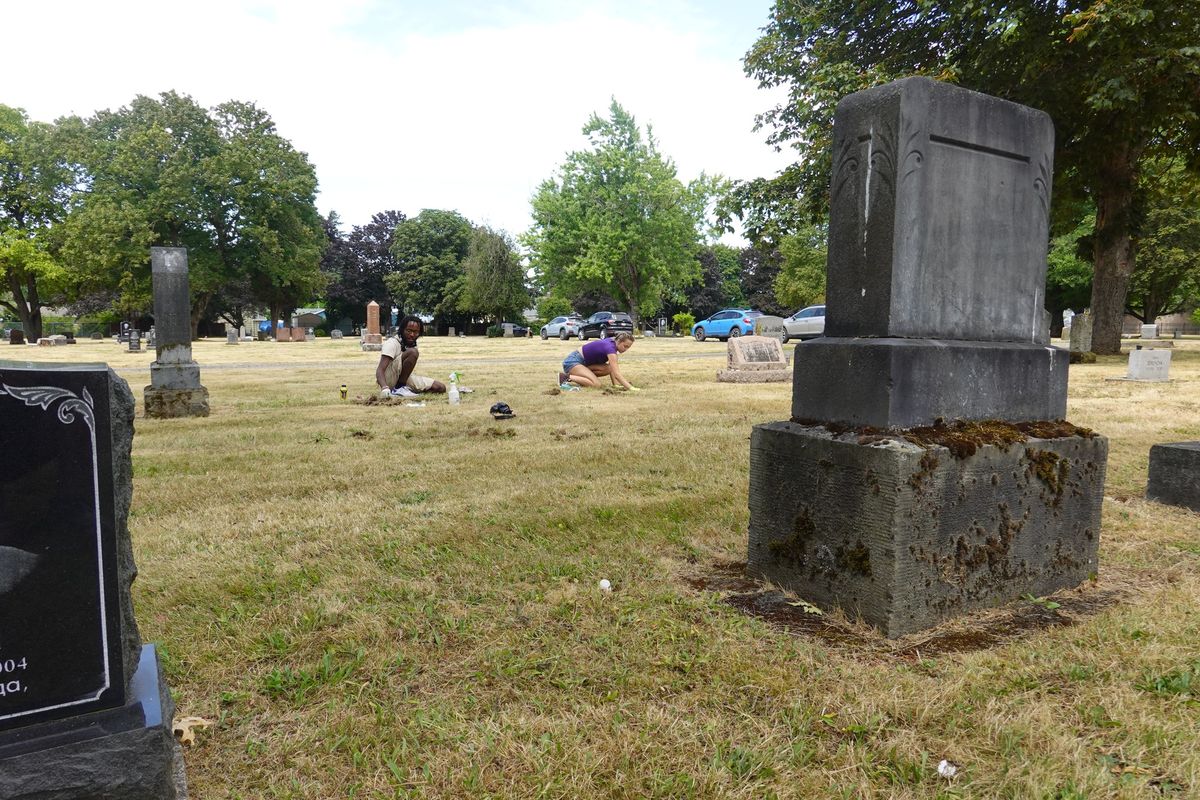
[(60, 638)]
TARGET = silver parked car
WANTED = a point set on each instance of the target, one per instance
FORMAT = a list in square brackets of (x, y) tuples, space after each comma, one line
[(807, 323), (562, 327)]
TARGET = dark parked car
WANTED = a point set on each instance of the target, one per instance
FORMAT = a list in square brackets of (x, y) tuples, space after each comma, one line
[(604, 324)]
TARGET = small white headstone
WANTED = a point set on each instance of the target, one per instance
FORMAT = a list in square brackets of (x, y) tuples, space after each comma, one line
[(1149, 365), (1149, 331)]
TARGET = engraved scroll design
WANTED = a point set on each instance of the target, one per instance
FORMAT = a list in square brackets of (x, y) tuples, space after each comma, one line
[(883, 155), (845, 167), (45, 396), (1041, 183), (881, 159), (914, 157)]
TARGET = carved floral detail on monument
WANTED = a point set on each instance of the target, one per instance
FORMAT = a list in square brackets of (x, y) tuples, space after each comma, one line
[(914, 158), (44, 396), (1041, 183)]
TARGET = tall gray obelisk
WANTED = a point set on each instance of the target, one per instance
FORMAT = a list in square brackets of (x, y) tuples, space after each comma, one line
[(174, 389)]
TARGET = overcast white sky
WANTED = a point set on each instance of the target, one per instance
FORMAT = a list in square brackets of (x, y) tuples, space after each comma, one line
[(414, 104)]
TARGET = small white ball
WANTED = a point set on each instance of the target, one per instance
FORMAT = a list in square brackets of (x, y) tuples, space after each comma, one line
[(605, 586)]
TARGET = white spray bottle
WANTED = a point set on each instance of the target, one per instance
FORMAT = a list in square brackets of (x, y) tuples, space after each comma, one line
[(452, 393)]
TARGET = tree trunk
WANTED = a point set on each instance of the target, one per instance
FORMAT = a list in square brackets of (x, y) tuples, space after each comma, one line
[(1113, 249), (197, 311), (27, 305)]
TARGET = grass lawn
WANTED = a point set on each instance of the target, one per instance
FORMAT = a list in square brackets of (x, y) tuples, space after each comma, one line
[(389, 601)]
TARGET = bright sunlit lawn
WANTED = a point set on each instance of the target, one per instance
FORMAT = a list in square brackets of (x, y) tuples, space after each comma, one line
[(380, 602)]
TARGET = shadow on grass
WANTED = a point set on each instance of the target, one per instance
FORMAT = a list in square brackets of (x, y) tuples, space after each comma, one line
[(980, 631)]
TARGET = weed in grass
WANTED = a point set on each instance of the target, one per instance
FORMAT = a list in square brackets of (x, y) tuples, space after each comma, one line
[(294, 685), (1183, 682)]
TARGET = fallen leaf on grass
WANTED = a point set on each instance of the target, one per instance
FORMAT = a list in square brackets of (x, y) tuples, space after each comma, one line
[(185, 728), (807, 608)]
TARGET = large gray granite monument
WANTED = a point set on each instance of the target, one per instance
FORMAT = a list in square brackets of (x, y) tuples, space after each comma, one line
[(909, 486), (174, 389), (84, 711)]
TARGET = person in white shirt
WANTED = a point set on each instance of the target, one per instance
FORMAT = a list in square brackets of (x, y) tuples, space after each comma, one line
[(394, 373)]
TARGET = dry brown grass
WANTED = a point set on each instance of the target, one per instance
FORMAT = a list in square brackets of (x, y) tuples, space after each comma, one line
[(403, 602)]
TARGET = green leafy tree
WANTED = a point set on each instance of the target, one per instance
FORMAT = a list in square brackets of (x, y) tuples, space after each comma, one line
[(617, 219), (1069, 272), (1167, 277), (35, 181), (429, 250), (1119, 78), (223, 184), (494, 284), (551, 306), (760, 271), (801, 278)]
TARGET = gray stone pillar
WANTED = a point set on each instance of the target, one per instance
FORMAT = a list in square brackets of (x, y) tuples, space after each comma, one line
[(174, 389), (926, 472)]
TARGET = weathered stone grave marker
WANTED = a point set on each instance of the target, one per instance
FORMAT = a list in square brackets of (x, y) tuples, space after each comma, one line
[(922, 475), (1149, 365), (372, 339), (1175, 474), (754, 359), (231, 336), (135, 340), (336, 333), (1081, 333), (16, 336), (84, 712), (174, 389), (771, 326)]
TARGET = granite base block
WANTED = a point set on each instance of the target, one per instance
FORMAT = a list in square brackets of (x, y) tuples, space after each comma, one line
[(127, 753), (754, 375), (905, 383), (1175, 474), (172, 403), (904, 537)]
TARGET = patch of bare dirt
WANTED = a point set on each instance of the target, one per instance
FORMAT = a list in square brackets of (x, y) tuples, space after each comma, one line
[(979, 631)]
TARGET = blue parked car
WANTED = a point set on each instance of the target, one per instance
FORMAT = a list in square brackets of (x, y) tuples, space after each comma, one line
[(723, 324)]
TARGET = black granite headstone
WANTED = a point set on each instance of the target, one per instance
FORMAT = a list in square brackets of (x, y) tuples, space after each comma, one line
[(57, 549), (16, 336), (84, 713)]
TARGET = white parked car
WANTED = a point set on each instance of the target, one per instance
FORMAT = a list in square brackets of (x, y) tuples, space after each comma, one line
[(807, 323), (562, 327)]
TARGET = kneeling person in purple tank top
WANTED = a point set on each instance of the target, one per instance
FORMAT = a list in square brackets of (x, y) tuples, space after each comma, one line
[(587, 365)]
